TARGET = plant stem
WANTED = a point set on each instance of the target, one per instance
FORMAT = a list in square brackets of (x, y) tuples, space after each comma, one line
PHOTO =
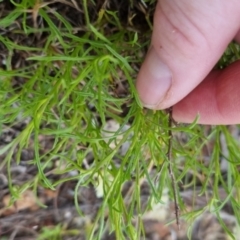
[(169, 157)]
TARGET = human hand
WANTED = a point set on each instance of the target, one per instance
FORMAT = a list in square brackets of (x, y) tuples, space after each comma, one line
[(188, 39)]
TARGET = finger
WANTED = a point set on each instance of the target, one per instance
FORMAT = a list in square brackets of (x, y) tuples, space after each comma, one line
[(237, 37), (216, 100), (188, 39)]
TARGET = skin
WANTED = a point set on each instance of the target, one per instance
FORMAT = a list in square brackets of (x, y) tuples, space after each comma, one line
[(188, 39)]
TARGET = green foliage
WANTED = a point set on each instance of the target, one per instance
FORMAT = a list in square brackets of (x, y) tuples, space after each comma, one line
[(69, 94)]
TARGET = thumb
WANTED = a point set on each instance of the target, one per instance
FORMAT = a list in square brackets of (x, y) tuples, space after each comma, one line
[(188, 39)]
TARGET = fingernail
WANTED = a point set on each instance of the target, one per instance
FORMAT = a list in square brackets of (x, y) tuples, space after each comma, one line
[(154, 80)]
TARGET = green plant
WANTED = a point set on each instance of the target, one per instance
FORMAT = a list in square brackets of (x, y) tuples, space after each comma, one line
[(67, 88)]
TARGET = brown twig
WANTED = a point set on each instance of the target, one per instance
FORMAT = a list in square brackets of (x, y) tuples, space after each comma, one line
[(170, 162)]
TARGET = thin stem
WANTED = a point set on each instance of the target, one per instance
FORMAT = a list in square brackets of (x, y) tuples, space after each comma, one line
[(169, 157)]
